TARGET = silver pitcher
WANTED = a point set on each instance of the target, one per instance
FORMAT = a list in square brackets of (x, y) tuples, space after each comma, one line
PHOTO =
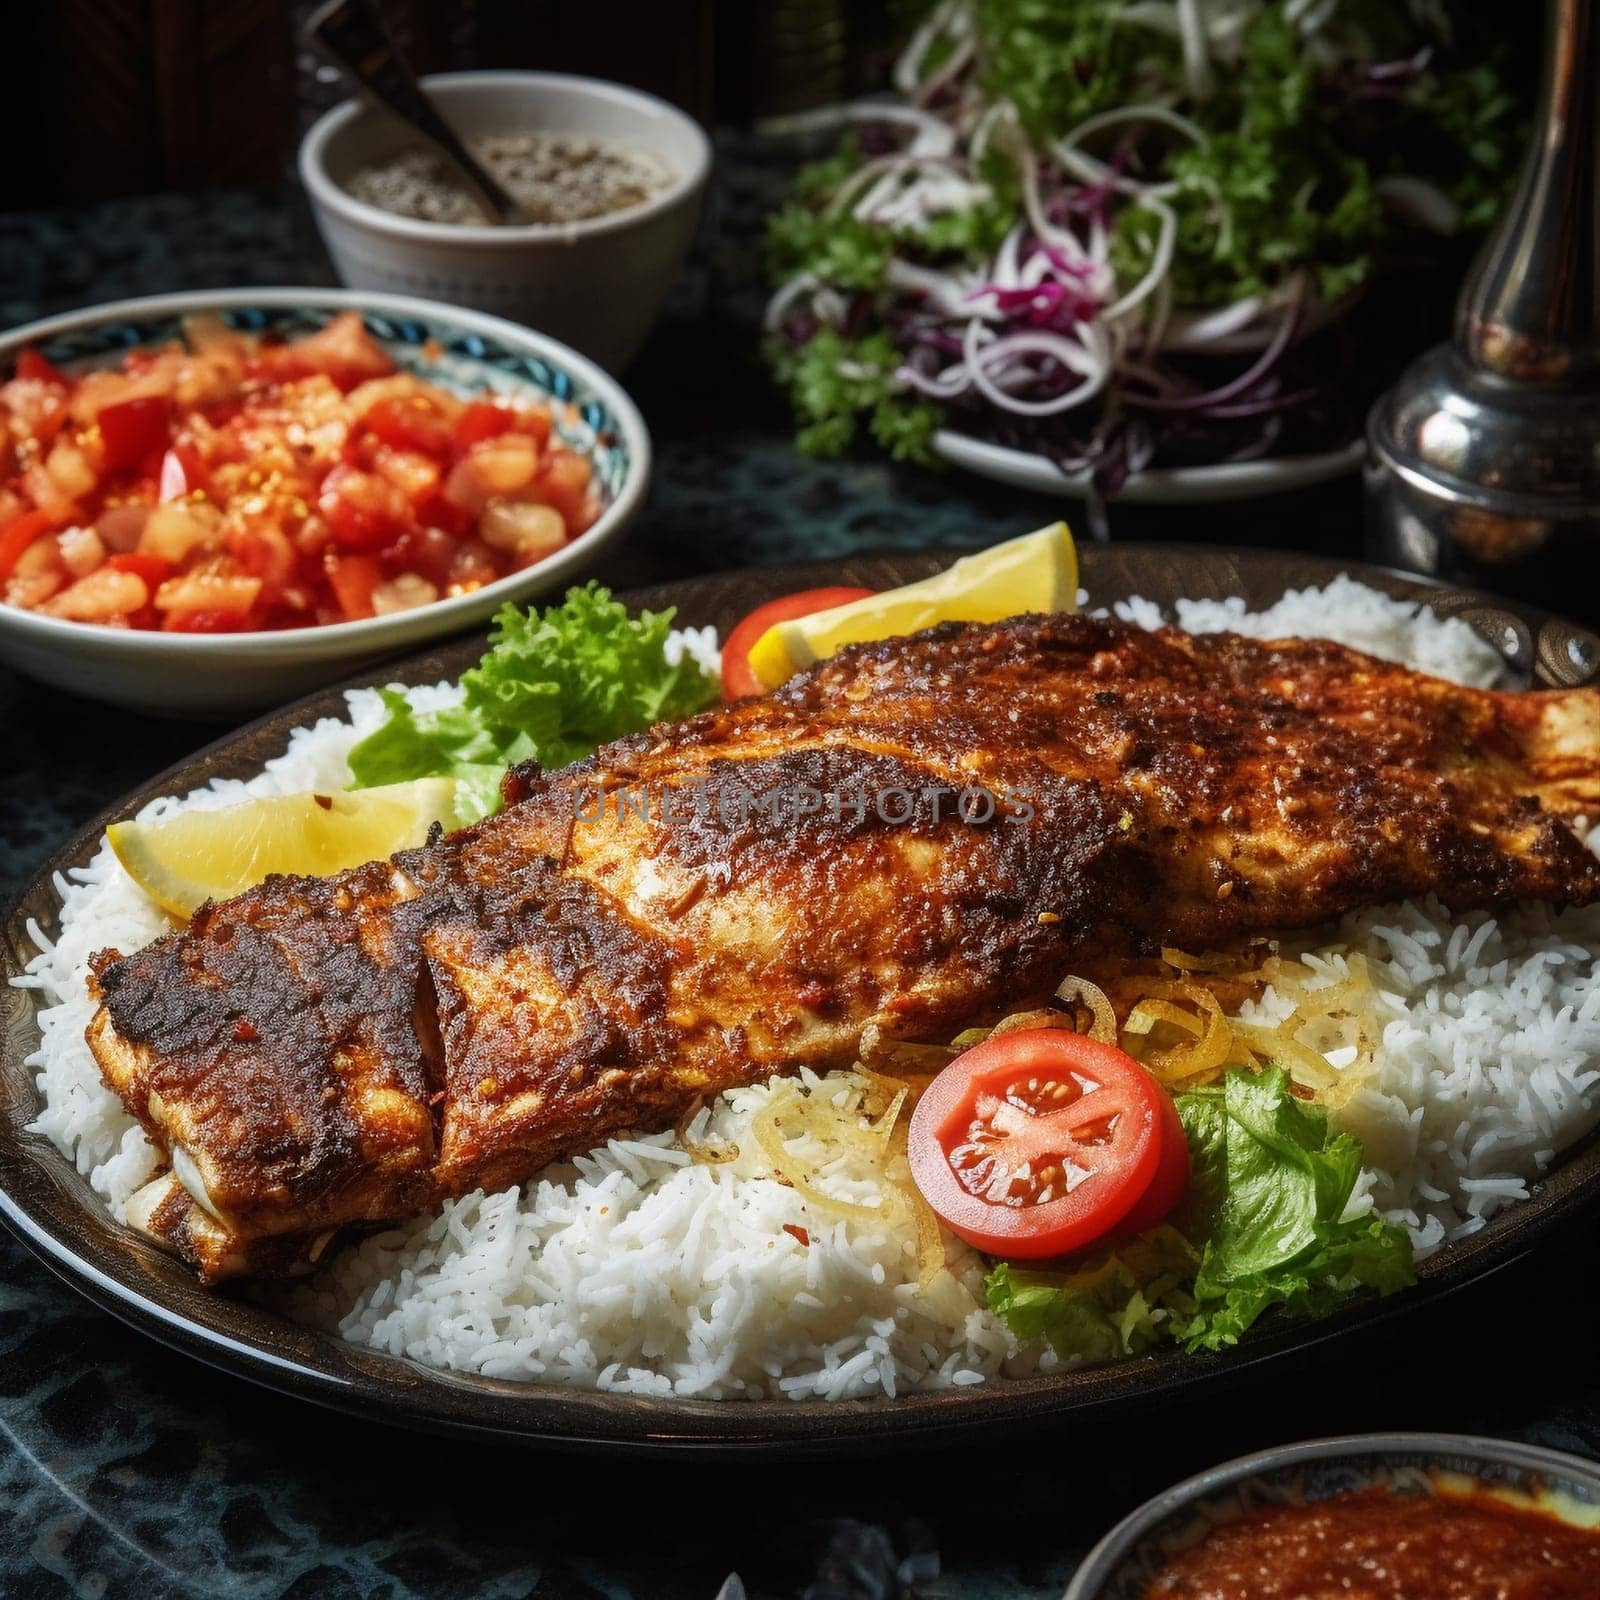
[(1484, 459)]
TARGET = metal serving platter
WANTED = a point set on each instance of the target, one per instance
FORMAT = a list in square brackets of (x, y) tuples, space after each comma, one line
[(53, 1210)]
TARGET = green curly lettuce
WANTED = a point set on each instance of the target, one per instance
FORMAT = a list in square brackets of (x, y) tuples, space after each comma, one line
[(554, 685), (840, 385), (1059, 61)]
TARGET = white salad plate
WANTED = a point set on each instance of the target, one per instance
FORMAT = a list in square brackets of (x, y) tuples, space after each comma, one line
[(1160, 486)]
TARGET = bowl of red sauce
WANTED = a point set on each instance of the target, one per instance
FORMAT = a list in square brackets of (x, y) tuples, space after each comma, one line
[(1394, 1516), (210, 503)]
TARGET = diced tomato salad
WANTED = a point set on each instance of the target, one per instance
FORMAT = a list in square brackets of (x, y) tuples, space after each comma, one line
[(231, 483)]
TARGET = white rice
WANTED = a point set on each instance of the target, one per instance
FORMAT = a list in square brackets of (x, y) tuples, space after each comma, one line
[(639, 1269), (1350, 613)]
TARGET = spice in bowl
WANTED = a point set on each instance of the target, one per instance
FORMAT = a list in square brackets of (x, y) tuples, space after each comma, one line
[(558, 178)]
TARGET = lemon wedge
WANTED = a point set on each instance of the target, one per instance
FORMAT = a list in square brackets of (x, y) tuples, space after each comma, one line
[(210, 855), (1038, 572)]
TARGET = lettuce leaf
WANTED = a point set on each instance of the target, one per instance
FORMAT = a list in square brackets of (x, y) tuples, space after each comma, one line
[(1261, 1229), (1366, 1254), (1112, 1307), (1271, 1183), (554, 685)]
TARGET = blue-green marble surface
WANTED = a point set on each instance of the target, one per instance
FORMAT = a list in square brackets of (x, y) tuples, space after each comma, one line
[(127, 1470)]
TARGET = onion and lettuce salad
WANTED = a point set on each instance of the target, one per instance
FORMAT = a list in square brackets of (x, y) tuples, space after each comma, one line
[(1111, 230)]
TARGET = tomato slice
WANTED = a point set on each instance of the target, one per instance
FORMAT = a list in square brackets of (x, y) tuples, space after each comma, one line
[(153, 569), (18, 534), (1171, 1181), (352, 579), (413, 424), (208, 622), (481, 420), (737, 678), (182, 472), (364, 511), (437, 512), (30, 364), (132, 430), (1037, 1143), (562, 482)]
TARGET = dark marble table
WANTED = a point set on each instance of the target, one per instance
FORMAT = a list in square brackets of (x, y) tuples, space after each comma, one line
[(126, 1470)]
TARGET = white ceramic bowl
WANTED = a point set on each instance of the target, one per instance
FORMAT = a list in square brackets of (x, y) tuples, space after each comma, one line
[(229, 674), (598, 284)]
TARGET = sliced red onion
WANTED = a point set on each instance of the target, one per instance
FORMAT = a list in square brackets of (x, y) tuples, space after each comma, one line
[(1197, 332), (958, 61), (908, 66), (870, 171), (1049, 304), (1420, 202), (1091, 199), (1099, 240), (1001, 115), (778, 306), (1196, 50), (1410, 67), (941, 340), (943, 386), (1148, 111), (1264, 406), (1252, 375), (1109, 175), (950, 294), (1093, 366), (1005, 269), (1046, 312), (931, 136), (1033, 204), (1064, 265), (1160, 263)]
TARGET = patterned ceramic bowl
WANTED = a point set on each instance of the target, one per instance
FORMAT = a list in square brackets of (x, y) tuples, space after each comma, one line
[(465, 351), (1124, 1564)]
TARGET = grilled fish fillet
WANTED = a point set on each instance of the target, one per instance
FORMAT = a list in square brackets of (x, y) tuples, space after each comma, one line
[(708, 903)]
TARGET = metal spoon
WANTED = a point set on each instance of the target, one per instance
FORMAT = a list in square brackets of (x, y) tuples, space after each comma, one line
[(354, 37)]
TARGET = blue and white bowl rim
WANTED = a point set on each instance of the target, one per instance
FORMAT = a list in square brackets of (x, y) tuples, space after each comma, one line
[(592, 411)]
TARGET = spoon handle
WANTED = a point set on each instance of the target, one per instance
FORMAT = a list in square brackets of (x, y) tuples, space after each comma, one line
[(354, 37)]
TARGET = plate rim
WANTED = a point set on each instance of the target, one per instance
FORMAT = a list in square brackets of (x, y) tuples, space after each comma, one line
[(364, 1382)]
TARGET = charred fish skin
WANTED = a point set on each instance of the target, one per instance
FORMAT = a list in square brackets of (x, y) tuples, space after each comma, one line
[(322, 1053), (273, 1050), (666, 955)]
